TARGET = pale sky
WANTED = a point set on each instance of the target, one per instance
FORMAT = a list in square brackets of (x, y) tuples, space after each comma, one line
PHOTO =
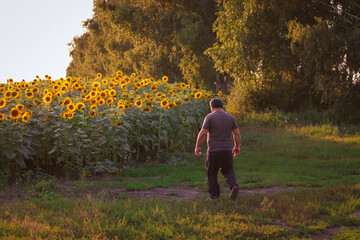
[(34, 36)]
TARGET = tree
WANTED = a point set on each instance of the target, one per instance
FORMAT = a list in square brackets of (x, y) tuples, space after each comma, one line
[(289, 54), (152, 38)]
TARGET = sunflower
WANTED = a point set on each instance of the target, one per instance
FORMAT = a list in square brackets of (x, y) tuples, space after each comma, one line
[(105, 81), (101, 102), (2, 90), (112, 85), (71, 107), (103, 94), (198, 95), (118, 123), (119, 73), (171, 105), (37, 102), (93, 107), (123, 87), (137, 85), (79, 106), (208, 96), (10, 81), (87, 98), (93, 93), (15, 94), (138, 103), (187, 98), (76, 86), (93, 101), (20, 107), (69, 115), (58, 94), (26, 117), (153, 88), (147, 109), (96, 85), (8, 94), (56, 87), (149, 104), (15, 113), (92, 114), (165, 78), (2, 103), (164, 102), (35, 90), (127, 79), (159, 95), (47, 99), (121, 106), (112, 92), (29, 94), (109, 101), (2, 117), (99, 75), (178, 103), (66, 101)]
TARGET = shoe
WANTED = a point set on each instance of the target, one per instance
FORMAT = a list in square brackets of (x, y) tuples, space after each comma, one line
[(214, 197), (234, 193)]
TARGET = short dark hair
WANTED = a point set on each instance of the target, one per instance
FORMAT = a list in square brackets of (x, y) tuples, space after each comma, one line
[(216, 103)]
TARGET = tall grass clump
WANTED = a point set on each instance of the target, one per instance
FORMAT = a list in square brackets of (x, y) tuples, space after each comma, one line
[(309, 122)]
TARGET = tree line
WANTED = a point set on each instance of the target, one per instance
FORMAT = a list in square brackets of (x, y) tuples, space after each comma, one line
[(267, 54)]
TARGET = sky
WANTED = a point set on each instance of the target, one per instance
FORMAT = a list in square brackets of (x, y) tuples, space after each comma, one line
[(35, 35)]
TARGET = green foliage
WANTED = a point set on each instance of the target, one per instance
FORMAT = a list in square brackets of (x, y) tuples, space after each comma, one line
[(109, 139), (289, 56), (152, 38)]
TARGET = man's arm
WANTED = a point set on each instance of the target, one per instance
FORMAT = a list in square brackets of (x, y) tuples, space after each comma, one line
[(200, 140), (237, 140)]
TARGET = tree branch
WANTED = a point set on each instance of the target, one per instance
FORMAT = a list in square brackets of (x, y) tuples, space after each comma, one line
[(351, 15)]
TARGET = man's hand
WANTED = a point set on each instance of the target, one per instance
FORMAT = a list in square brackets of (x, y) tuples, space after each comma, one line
[(236, 151), (200, 140), (197, 151)]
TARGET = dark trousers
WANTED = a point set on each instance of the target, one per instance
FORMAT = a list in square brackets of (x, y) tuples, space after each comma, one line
[(223, 161)]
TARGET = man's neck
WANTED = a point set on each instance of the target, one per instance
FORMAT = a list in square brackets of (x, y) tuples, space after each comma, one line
[(216, 109)]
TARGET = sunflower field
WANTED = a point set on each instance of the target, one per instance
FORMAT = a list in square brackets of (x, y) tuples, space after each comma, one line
[(78, 126)]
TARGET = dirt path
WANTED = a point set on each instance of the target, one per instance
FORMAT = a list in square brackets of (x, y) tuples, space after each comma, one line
[(179, 192)]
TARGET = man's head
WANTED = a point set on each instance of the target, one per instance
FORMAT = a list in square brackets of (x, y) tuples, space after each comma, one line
[(216, 103)]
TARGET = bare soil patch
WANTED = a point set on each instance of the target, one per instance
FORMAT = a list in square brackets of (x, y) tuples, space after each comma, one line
[(180, 192), (175, 193)]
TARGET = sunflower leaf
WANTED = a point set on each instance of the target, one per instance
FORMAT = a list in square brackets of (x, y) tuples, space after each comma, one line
[(9, 155)]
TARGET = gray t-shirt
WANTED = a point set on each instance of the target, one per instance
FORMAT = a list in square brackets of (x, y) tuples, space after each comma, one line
[(220, 125)]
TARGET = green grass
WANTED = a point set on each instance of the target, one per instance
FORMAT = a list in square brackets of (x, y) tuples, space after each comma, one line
[(269, 157), (286, 215), (329, 165)]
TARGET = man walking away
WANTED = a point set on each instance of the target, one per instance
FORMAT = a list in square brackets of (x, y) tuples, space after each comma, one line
[(218, 126)]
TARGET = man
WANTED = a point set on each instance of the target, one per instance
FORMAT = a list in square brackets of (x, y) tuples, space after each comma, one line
[(217, 128)]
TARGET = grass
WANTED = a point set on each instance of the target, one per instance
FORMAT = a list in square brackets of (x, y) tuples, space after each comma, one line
[(269, 157), (283, 215), (329, 165)]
